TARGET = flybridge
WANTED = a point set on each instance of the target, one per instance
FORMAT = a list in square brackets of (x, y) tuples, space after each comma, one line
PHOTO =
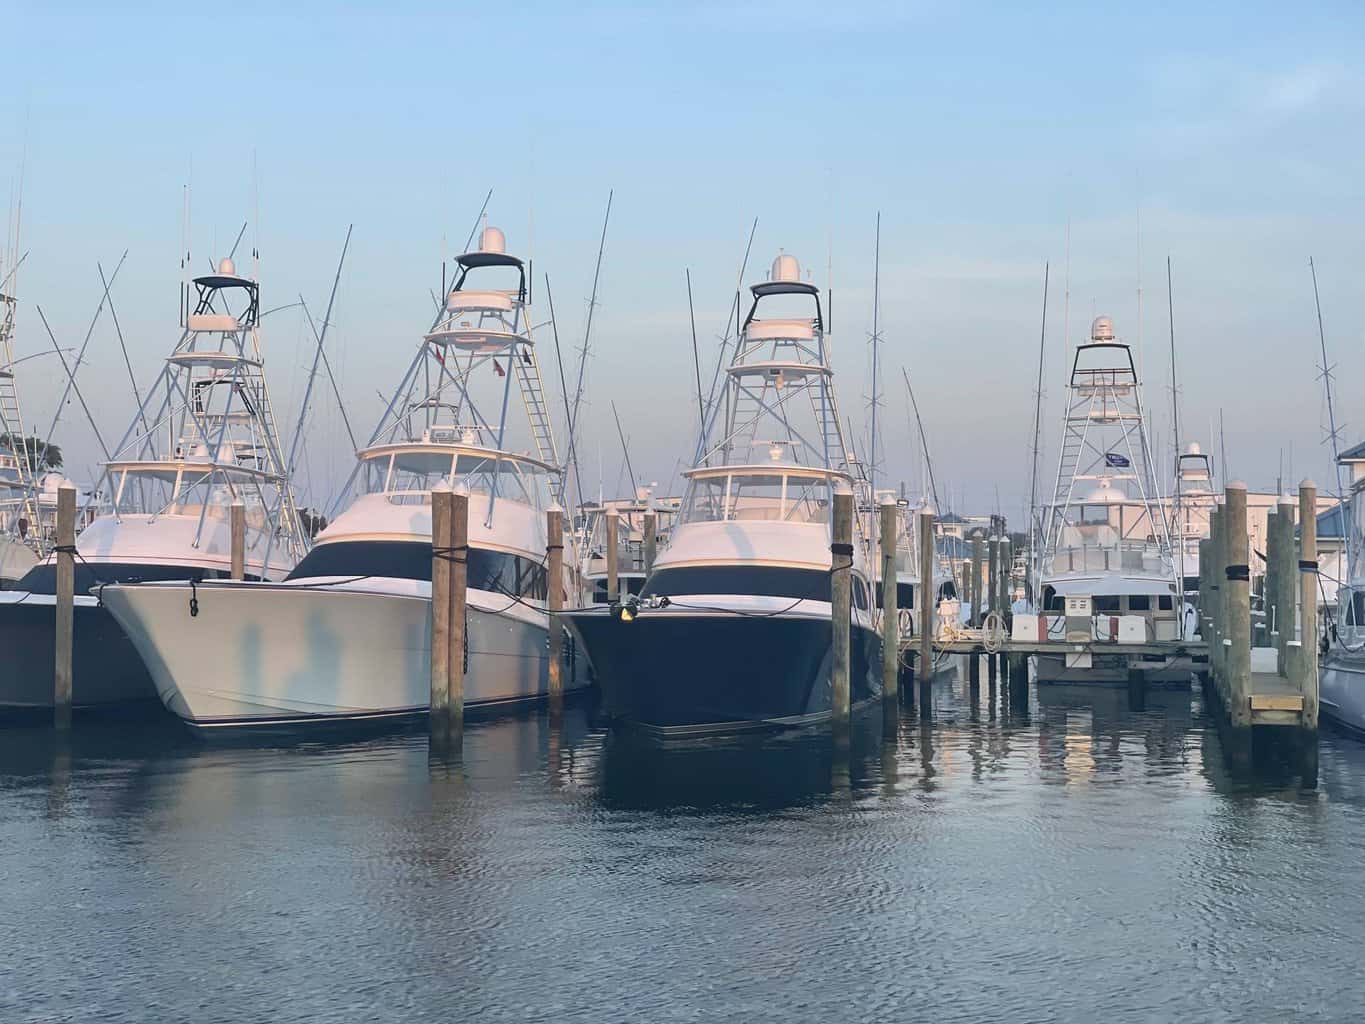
[(458, 391)]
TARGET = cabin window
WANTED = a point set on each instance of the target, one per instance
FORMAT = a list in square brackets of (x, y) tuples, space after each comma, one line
[(1053, 601), (859, 594), (42, 579), (759, 580), (411, 560), (1139, 603), (1107, 604), (1165, 602)]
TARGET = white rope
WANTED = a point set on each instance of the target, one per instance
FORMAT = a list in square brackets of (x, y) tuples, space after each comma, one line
[(993, 633)]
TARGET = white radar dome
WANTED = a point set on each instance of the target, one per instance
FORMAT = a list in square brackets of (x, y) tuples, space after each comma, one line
[(226, 267), (1102, 329), (1106, 493), (1193, 448), (492, 240), (786, 268)]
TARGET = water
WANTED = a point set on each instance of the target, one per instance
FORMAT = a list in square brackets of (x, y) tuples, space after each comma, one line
[(1086, 862)]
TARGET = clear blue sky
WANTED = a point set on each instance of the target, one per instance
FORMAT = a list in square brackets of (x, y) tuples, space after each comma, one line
[(977, 130)]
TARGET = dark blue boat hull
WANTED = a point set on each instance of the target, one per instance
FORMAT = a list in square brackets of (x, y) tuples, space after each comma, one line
[(106, 669), (684, 674)]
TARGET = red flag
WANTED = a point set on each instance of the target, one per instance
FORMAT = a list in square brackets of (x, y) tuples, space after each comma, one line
[(501, 371)]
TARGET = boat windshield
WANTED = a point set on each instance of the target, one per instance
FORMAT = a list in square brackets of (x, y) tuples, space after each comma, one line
[(412, 473), (768, 495)]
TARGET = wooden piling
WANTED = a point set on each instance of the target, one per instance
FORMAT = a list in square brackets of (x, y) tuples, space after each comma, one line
[(992, 573), (440, 603), (66, 604), (841, 605), (651, 539), (554, 598), (1213, 609), (1286, 583), (974, 673), (928, 608), (613, 557), (891, 631), (1237, 607), (1307, 658), (237, 537), (975, 588), (459, 594), (1003, 601), (1269, 592)]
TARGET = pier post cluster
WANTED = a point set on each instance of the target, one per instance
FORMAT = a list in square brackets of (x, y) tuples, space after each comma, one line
[(1252, 702)]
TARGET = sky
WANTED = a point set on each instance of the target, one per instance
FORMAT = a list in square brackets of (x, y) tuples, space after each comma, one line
[(993, 141)]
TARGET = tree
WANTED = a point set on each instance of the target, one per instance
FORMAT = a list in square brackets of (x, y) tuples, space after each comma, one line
[(41, 455)]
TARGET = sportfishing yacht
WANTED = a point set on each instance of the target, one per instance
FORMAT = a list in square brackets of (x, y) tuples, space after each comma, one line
[(19, 536), (348, 635), (203, 437), (1106, 551), (1195, 499), (630, 541), (1341, 666), (732, 630)]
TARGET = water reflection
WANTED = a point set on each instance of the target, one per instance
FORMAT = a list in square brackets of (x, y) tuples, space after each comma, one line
[(1086, 855)]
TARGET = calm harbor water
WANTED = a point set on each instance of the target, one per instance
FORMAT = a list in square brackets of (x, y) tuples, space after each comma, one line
[(1084, 862)]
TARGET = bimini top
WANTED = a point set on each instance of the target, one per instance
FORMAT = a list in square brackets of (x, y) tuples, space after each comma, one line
[(225, 277), (492, 252), (785, 279)]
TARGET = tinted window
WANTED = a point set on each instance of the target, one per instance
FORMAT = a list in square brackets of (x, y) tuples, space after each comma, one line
[(760, 580), (1106, 604), (905, 596), (1165, 603), (411, 560), (42, 579), (1143, 603)]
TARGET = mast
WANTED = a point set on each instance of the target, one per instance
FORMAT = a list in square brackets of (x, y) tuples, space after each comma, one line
[(872, 531), (1034, 518), (1175, 431)]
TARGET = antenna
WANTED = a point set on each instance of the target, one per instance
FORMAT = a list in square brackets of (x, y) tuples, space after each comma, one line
[(872, 532), (1175, 431), (571, 456), (576, 404), (71, 386), (1066, 293), (1034, 517), (1325, 374), (696, 354), (725, 340), (924, 441), (80, 358), (317, 357), (1222, 446), (625, 449)]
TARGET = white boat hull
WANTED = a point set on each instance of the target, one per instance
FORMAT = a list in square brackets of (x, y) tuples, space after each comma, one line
[(276, 654), (1341, 688)]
